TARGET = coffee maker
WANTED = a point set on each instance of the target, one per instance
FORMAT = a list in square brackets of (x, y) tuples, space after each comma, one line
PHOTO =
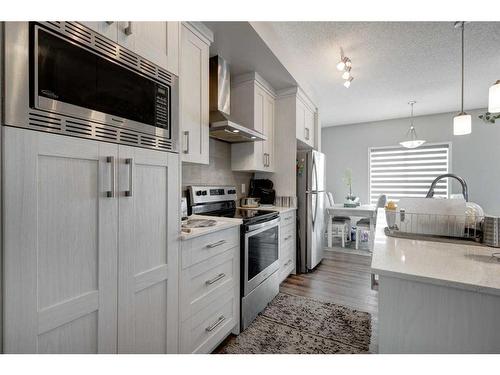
[(262, 189)]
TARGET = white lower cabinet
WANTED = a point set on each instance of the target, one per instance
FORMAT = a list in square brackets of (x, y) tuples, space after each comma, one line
[(209, 290), (90, 246), (287, 253)]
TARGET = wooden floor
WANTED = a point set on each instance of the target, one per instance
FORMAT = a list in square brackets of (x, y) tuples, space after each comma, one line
[(341, 278)]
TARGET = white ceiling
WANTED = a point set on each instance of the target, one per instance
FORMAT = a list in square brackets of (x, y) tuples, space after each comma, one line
[(393, 62)]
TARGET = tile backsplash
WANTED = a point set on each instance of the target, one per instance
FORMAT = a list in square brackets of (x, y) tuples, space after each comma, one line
[(218, 172)]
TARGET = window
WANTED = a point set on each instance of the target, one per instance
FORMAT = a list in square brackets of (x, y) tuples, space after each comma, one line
[(400, 172)]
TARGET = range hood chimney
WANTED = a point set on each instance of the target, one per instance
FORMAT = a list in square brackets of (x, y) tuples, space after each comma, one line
[(221, 125)]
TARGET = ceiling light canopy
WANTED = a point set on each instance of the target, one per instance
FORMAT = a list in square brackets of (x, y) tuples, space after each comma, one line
[(412, 140), (462, 123), (494, 98)]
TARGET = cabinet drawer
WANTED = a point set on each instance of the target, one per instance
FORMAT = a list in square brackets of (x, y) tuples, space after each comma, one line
[(287, 217), (207, 328), (204, 282), (287, 267), (286, 254), (204, 247), (287, 237)]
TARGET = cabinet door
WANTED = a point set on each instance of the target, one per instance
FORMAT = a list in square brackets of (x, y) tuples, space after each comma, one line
[(194, 97), (309, 127), (107, 28), (269, 132), (155, 41), (147, 270), (301, 120), (60, 244), (259, 120)]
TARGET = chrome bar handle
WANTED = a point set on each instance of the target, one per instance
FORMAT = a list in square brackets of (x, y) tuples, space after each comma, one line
[(111, 160), (186, 134), (216, 324), (128, 29), (215, 244), (130, 162), (215, 279)]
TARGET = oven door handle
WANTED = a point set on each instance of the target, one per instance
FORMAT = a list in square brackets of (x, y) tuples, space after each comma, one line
[(266, 224)]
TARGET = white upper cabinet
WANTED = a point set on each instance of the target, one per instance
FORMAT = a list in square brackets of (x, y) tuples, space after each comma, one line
[(305, 120), (194, 94), (155, 41), (252, 105)]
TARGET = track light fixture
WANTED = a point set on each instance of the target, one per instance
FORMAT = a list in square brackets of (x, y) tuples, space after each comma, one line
[(345, 66)]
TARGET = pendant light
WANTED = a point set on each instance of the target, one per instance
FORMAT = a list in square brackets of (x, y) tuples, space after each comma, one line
[(494, 98), (462, 122), (412, 140)]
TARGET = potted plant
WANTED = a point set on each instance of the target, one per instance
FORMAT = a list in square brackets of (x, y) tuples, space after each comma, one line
[(351, 200)]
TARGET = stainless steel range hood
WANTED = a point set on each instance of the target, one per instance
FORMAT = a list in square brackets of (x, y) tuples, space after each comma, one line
[(221, 125)]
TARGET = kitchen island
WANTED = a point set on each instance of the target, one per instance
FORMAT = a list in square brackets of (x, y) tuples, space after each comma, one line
[(436, 297)]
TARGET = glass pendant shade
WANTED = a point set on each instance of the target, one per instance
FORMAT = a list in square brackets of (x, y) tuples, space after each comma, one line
[(494, 98), (412, 140), (462, 124)]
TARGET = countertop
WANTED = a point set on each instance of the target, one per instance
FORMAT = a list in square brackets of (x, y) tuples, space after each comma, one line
[(271, 208), (222, 223), (460, 266)]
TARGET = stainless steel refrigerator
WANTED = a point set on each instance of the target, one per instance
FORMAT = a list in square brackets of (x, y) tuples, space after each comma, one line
[(311, 209)]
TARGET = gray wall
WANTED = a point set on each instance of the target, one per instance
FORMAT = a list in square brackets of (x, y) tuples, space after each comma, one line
[(475, 157), (218, 172)]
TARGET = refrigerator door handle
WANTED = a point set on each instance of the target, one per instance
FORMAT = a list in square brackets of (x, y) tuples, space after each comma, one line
[(315, 169)]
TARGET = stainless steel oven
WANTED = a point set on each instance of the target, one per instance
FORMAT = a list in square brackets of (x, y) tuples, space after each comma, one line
[(260, 282), (261, 246), (64, 78)]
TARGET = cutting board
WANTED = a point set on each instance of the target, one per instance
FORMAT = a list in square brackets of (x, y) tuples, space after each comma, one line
[(445, 217)]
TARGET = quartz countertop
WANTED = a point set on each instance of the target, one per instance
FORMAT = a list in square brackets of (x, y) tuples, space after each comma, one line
[(463, 266), (222, 223), (271, 208)]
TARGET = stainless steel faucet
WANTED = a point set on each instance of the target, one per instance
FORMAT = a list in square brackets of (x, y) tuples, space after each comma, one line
[(465, 191)]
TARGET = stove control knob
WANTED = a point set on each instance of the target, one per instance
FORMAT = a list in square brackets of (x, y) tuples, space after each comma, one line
[(204, 192), (198, 193), (231, 191)]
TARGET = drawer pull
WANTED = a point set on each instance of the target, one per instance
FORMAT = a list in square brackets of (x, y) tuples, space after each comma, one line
[(288, 237), (215, 279), (219, 321), (288, 263), (215, 244)]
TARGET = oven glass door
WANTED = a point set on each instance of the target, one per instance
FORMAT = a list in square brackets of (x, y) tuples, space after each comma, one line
[(72, 79), (262, 254)]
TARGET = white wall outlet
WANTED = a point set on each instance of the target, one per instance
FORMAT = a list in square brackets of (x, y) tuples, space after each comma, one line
[(243, 188)]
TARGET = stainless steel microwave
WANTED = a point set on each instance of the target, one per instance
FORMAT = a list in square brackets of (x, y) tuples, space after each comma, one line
[(64, 78)]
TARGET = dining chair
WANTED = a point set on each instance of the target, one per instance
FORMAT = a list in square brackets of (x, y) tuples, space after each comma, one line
[(363, 225), (341, 225)]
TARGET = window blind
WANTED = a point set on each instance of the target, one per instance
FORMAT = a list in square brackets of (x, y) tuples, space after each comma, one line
[(401, 172)]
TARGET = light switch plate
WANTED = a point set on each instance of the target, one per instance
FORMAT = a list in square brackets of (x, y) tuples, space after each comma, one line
[(243, 188)]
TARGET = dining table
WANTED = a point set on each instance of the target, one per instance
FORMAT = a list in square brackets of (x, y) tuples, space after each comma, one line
[(363, 210)]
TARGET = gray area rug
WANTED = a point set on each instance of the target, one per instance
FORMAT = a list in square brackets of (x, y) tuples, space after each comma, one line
[(298, 325)]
